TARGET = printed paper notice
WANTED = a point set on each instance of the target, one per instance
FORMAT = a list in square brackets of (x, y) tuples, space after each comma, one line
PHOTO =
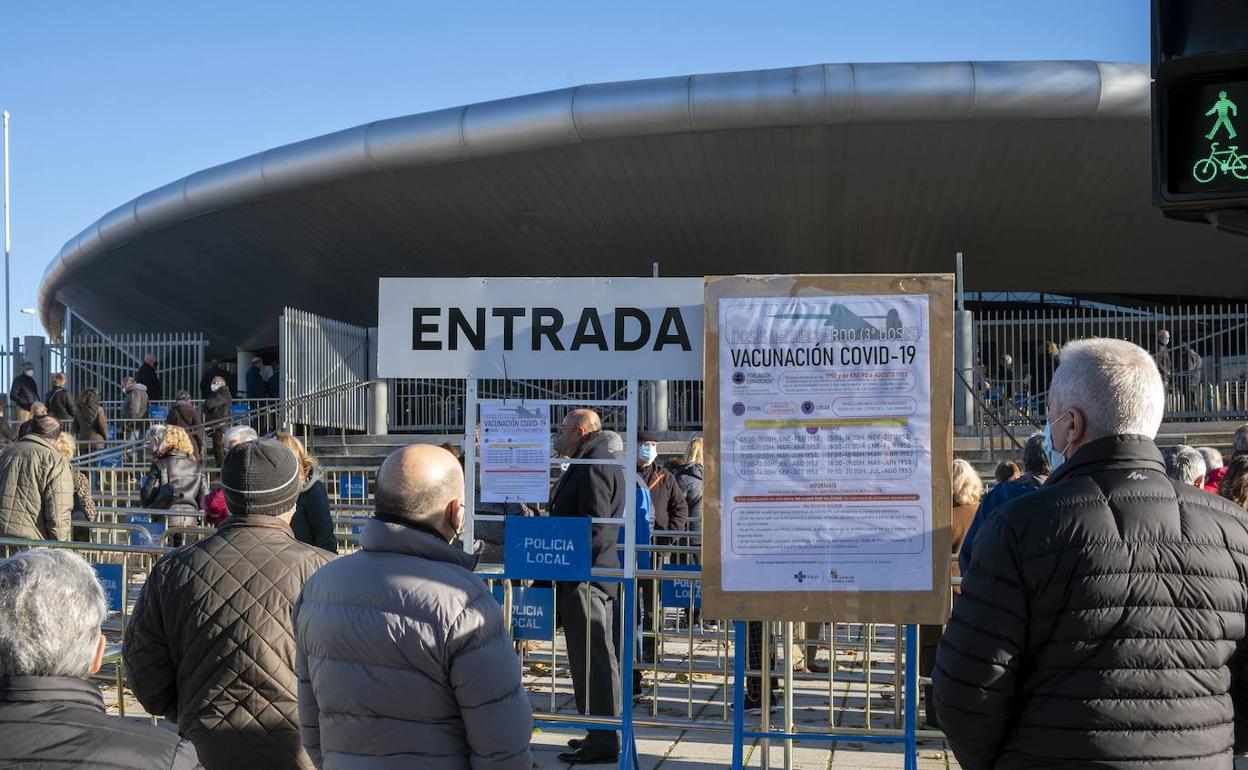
[(515, 451), (825, 443)]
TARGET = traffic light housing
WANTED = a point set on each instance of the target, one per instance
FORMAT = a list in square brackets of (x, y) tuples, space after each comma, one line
[(1200, 110)]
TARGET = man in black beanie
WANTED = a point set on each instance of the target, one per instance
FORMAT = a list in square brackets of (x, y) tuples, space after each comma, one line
[(210, 643)]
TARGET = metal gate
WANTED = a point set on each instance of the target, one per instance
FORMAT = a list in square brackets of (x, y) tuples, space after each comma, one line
[(92, 359), (316, 354)]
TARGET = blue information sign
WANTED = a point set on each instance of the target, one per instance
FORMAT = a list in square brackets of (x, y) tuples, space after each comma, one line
[(676, 593), (546, 548), (532, 612), (158, 412), (351, 486), (239, 409), (110, 576)]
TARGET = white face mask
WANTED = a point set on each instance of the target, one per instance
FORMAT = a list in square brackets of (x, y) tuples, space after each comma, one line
[(647, 452), (215, 387), (1056, 458), (30, 372)]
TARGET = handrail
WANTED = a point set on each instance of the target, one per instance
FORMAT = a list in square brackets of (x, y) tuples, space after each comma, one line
[(984, 408), (76, 546), (134, 529), (265, 411)]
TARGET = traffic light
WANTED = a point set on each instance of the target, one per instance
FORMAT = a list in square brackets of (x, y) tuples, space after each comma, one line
[(1200, 110)]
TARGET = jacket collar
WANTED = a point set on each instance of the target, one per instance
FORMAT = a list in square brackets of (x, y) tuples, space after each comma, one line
[(412, 540), (42, 689), (253, 520), (1121, 452), (39, 440)]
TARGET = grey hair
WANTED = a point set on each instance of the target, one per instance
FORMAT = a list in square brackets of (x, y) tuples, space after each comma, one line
[(238, 434), (156, 435), (1239, 443), (967, 486), (1113, 383), (1183, 463), (1035, 459), (51, 610), (614, 442), (1213, 458)]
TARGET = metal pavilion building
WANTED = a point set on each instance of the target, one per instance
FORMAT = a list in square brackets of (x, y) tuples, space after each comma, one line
[(1038, 171)]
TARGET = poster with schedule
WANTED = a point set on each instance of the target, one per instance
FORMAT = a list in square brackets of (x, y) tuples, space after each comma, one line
[(825, 443)]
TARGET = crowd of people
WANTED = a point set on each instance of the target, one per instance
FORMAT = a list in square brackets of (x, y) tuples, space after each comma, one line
[(1101, 618)]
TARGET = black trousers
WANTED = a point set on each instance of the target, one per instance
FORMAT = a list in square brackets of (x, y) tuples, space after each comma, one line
[(588, 613), (754, 641)]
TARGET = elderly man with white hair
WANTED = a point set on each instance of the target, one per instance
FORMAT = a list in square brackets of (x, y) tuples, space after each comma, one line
[(1185, 464), (51, 714), (1102, 620), (1215, 468)]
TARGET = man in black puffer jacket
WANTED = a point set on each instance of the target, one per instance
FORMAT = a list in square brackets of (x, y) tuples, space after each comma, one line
[(52, 715), (1102, 620)]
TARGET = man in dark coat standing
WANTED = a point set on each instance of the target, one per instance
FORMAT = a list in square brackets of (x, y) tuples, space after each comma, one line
[(592, 491), (24, 392), (51, 714), (210, 643), (217, 407), (1102, 620), (147, 376)]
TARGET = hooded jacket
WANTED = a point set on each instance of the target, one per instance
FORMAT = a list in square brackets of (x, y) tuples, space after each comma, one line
[(134, 402), (36, 491), (689, 477), (1101, 624), (210, 643), (313, 524), (53, 723), (90, 424), (404, 661)]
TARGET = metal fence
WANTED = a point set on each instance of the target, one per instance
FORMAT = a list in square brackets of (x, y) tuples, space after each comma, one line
[(1204, 363), (318, 354), (437, 405), (90, 360)]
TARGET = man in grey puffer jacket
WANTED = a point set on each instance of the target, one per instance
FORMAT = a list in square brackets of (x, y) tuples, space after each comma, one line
[(402, 653)]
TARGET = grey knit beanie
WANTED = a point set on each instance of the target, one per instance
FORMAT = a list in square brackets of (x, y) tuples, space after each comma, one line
[(260, 478)]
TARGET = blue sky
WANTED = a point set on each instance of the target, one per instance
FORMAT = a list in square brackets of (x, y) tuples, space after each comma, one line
[(111, 99)]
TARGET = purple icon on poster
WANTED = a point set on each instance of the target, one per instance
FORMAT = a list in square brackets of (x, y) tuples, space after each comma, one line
[(738, 409)]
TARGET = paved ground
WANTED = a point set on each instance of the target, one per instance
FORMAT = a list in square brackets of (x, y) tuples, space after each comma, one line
[(696, 743)]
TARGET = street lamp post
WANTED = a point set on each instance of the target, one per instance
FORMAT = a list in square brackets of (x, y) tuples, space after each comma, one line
[(8, 241)]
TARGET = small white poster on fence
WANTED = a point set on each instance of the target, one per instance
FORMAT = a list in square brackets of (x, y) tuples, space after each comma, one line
[(515, 451), (825, 443)]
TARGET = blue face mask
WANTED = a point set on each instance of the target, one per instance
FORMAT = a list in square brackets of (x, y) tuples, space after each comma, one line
[(647, 453)]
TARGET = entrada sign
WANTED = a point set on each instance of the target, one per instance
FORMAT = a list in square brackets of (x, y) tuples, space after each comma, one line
[(594, 328)]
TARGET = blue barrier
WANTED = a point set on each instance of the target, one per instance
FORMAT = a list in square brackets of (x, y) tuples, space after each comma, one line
[(112, 578), (154, 529), (676, 593), (532, 612), (158, 412), (547, 548), (352, 486)]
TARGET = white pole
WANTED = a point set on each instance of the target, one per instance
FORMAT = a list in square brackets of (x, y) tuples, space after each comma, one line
[(8, 240)]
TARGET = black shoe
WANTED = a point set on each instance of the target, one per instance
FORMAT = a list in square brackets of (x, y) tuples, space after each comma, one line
[(588, 755), (576, 743)]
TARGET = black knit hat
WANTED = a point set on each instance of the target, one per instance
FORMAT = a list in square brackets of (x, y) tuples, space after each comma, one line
[(261, 478)]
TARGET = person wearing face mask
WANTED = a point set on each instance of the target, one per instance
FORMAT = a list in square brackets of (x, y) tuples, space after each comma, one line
[(588, 609), (24, 392), (217, 407), (1104, 618), (403, 655), (671, 510)]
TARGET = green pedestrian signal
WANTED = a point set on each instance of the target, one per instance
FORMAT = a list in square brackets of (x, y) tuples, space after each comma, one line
[(1222, 106)]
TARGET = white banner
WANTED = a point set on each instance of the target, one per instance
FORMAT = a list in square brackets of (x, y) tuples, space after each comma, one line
[(825, 443), (537, 328)]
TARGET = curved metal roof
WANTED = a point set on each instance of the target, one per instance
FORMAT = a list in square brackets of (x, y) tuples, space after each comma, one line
[(1038, 170)]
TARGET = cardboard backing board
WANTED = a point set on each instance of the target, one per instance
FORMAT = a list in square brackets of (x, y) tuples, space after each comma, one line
[(886, 606)]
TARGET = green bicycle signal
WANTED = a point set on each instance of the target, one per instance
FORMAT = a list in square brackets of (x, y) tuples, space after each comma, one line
[(1227, 161)]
